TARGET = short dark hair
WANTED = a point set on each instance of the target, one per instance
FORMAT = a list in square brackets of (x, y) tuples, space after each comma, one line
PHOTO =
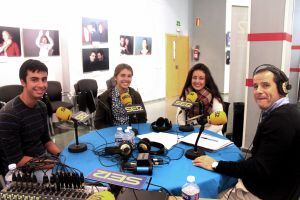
[(122, 66), (31, 65), (280, 78)]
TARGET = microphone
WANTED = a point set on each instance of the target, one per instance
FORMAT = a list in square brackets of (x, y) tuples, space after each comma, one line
[(192, 97), (215, 118), (189, 103), (65, 114), (131, 109), (126, 99), (186, 105)]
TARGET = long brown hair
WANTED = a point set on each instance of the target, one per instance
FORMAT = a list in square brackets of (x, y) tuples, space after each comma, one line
[(209, 81)]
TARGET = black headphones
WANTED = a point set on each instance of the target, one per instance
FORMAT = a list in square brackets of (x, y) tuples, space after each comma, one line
[(161, 125), (124, 150), (281, 79), (144, 146)]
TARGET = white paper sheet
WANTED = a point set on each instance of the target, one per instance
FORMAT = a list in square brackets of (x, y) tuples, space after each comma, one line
[(167, 139), (206, 141)]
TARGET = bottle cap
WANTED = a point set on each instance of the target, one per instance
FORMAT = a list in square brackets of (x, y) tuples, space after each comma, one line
[(191, 179), (129, 127), (119, 129), (12, 166)]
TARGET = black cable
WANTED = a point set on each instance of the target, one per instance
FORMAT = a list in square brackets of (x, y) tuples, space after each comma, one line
[(133, 190), (149, 183), (168, 192)]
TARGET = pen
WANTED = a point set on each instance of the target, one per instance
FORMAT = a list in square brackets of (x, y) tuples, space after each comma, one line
[(209, 139)]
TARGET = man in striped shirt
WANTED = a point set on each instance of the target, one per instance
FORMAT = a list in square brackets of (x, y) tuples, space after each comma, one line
[(23, 120)]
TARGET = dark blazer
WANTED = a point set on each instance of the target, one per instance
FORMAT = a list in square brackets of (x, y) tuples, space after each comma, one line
[(273, 170)]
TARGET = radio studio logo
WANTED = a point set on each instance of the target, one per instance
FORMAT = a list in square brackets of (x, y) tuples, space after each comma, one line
[(118, 178), (183, 104), (134, 109)]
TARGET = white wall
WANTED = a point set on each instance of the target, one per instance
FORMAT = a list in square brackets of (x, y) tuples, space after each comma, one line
[(152, 18), (295, 55), (210, 36)]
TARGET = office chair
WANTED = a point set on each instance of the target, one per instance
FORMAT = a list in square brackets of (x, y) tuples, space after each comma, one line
[(110, 83), (225, 108), (86, 91), (8, 92), (53, 100), (54, 95)]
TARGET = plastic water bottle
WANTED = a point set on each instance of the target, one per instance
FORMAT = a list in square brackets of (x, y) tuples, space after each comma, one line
[(126, 136), (190, 190), (9, 176), (131, 135), (119, 136)]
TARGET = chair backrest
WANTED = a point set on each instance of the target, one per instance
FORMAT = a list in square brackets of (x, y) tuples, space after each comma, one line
[(8, 92), (54, 91), (225, 108), (85, 85), (110, 83)]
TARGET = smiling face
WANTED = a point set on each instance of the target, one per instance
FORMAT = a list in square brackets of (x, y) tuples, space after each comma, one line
[(44, 40), (35, 86), (198, 80), (5, 35), (123, 80), (92, 56), (265, 89)]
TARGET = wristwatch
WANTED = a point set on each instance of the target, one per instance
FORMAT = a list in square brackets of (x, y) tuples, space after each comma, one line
[(214, 165)]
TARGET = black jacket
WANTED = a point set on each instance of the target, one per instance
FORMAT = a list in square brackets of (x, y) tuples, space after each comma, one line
[(103, 117), (273, 170)]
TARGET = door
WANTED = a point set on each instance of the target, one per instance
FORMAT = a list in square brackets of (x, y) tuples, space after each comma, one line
[(177, 63)]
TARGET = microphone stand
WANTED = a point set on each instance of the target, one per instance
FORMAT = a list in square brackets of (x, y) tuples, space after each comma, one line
[(196, 151), (133, 117), (186, 127), (77, 147)]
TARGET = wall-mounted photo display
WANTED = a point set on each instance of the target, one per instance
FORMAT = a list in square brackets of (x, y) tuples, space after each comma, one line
[(41, 43), (10, 44), (94, 31), (126, 45), (95, 59), (143, 46)]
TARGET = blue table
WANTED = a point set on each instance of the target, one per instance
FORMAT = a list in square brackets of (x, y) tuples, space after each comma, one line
[(171, 176)]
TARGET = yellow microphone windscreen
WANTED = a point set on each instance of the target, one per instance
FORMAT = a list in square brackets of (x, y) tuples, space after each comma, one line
[(63, 113), (104, 195), (217, 118), (192, 97), (126, 99)]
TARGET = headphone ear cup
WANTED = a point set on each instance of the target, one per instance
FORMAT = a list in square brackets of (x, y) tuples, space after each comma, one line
[(286, 86), (125, 149), (160, 122), (167, 123), (144, 145)]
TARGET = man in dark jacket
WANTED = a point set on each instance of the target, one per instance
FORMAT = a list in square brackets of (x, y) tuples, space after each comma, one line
[(272, 171)]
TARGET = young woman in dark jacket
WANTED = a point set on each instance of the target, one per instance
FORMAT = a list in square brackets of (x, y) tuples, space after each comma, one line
[(110, 109)]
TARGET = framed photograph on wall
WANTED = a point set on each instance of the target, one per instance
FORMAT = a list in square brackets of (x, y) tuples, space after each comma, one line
[(10, 44), (143, 46), (96, 59), (126, 45), (94, 31), (40, 43)]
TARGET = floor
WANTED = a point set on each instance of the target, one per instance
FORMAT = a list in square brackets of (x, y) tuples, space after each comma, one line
[(64, 132)]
